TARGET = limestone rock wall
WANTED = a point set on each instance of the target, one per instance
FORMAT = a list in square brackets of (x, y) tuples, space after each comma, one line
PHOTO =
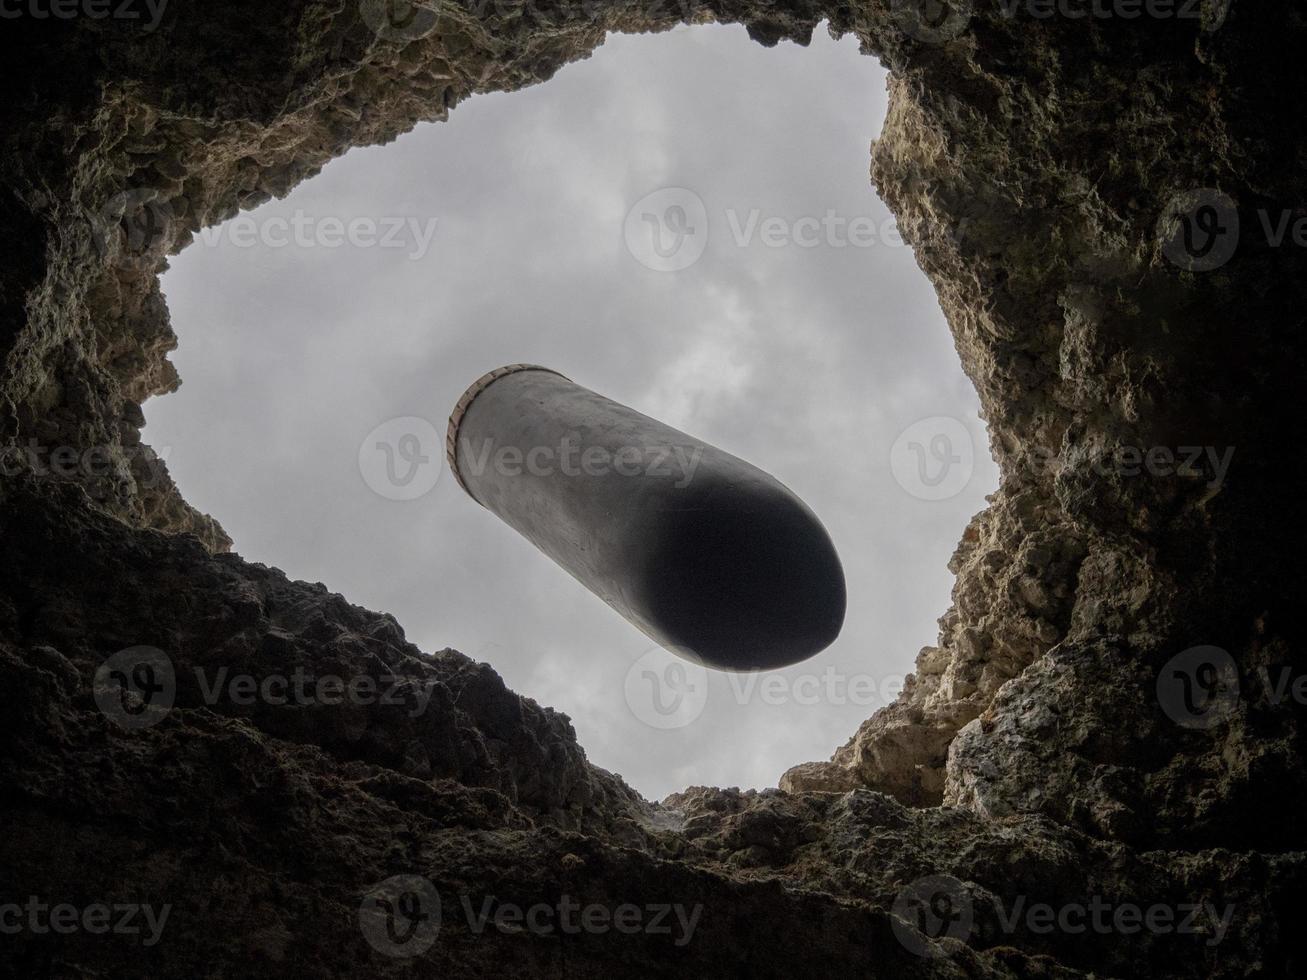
[(1043, 169)]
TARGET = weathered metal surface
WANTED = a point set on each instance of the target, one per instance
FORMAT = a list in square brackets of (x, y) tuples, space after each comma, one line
[(708, 555)]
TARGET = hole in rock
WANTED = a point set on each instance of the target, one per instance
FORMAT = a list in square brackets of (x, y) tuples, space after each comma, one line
[(804, 339)]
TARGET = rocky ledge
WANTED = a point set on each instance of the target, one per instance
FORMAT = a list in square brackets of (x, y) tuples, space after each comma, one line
[(1097, 770)]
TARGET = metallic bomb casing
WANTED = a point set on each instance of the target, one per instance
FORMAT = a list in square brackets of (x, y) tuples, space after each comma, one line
[(708, 555)]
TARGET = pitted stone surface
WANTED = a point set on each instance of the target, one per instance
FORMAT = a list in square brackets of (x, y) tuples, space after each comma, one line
[(1031, 163)]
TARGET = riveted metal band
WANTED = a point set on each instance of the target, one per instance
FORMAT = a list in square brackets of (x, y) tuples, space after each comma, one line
[(460, 409)]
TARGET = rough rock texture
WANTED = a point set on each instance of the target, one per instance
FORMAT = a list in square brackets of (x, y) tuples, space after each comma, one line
[(1032, 758)]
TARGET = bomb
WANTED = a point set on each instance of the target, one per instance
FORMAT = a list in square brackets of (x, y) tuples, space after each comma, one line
[(708, 555)]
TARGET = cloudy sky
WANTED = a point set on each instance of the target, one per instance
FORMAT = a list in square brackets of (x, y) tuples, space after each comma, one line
[(776, 316)]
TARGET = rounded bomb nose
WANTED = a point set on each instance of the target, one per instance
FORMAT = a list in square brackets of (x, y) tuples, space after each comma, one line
[(747, 579), (705, 553)]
